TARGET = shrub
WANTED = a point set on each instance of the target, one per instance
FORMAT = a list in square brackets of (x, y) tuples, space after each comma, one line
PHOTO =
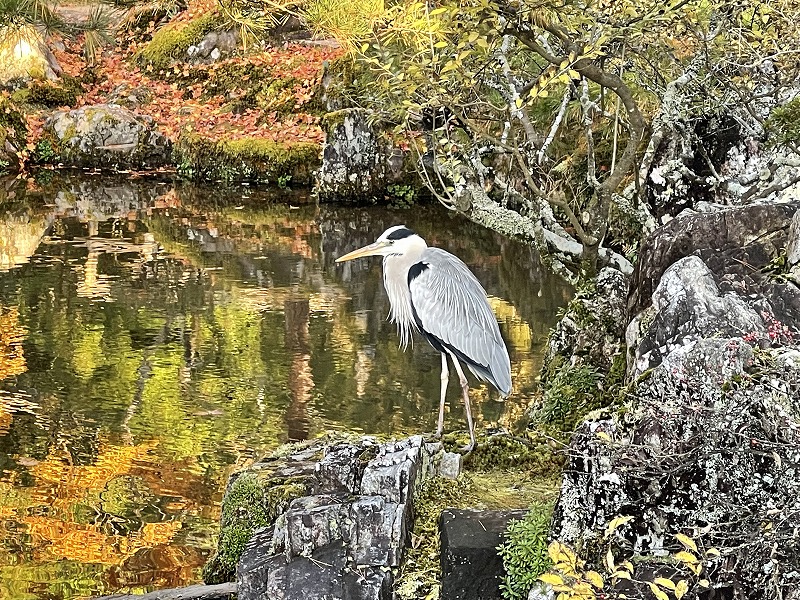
[(524, 552)]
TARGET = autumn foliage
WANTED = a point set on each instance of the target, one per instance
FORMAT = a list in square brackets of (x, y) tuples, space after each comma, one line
[(198, 98)]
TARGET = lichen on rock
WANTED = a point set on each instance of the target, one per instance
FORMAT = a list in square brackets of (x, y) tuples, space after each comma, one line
[(706, 446), (359, 162), (104, 136)]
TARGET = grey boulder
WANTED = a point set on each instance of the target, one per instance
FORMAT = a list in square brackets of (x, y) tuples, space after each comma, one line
[(106, 136)]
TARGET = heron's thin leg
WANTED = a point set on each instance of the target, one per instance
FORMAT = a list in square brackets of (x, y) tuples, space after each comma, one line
[(445, 379), (465, 391)]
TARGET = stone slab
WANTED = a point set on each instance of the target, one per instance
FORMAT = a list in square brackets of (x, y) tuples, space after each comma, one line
[(471, 566)]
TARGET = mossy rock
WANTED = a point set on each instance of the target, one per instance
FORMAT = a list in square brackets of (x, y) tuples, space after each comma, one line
[(251, 159), (172, 41), (50, 94), (253, 500), (13, 133), (344, 84)]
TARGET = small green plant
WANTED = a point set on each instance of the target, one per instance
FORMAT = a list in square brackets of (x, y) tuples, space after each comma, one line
[(283, 180), (783, 125), (401, 196), (44, 152), (571, 394), (524, 552)]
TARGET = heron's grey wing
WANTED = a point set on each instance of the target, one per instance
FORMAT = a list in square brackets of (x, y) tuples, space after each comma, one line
[(451, 305)]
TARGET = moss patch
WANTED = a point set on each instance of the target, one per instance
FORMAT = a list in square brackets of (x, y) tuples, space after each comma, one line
[(50, 94), (251, 159), (525, 454), (172, 41), (252, 501), (420, 573)]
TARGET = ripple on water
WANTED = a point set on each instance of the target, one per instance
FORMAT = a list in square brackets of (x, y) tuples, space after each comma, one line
[(154, 339)]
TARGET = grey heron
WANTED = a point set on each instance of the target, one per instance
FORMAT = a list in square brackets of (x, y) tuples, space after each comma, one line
[(435, 293)]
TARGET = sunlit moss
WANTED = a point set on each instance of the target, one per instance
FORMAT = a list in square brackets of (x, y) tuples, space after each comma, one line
[(532, 456), (249, 159), (252, 501), (172, 41)]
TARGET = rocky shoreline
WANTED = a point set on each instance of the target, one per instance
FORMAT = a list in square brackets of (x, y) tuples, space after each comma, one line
[(702, 445)]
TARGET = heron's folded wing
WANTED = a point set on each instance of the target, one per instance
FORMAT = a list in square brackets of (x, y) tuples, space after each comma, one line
[(451, 305)]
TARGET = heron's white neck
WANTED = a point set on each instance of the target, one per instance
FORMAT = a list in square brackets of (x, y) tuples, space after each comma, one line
[(395, 280)]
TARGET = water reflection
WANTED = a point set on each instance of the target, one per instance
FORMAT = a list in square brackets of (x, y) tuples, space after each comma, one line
[(154, 337)]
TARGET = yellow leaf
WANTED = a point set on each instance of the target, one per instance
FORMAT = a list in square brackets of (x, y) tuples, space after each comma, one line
[(551, 578), (601, 434), (440, 44), (616, 521), (686, 557), (703, 583), (686, 541), (518, 102), (657, 591), (621, 574), (610, 560), (573, 74), (712, 552), (681, 588), (559, 553), (595, 579), (665, 583), (543, 94), (364, 48), (553, 551), (627, 565)]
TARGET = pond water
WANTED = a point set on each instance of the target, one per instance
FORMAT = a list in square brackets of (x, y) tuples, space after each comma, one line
[(156, 336)]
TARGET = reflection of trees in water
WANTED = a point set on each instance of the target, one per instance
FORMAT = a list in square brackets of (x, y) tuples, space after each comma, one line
[(301, 382), (12, 335), (225, 329)]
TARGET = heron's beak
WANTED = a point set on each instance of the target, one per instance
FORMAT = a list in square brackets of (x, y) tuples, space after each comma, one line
[(370, 250)]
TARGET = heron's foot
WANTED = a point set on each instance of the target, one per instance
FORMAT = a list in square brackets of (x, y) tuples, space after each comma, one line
[(464, 450), (432, 437)]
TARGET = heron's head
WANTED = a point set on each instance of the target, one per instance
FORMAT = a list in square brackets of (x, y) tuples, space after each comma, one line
[(397, 240)]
